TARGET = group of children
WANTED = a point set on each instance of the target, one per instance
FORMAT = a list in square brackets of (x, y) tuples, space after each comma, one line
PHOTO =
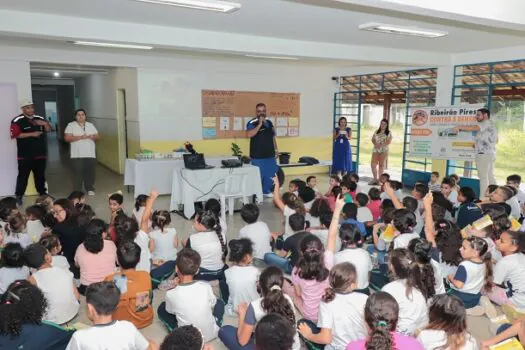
[(431, 258)]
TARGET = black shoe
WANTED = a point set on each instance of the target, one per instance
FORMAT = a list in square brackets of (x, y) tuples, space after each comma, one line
[(19, 201)]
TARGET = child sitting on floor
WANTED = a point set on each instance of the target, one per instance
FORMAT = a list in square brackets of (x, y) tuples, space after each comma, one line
[(56, 283), (289, 204), (185, 338), (52, 244), (375, 202), (12, 266), (242, 277), (192, 302), (350, 217), (102, 299), (163, 239), (140, 206), (34, 226), (16, 230), (364, 214), (135, 287), (256, 231)]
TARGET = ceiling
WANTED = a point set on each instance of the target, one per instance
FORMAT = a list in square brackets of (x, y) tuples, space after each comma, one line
[(282, 19)]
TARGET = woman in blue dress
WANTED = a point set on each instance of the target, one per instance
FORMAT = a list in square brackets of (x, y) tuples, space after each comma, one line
[(342, 151)]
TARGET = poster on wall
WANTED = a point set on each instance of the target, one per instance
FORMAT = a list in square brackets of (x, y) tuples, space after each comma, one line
[(225, 113), (434, 135)]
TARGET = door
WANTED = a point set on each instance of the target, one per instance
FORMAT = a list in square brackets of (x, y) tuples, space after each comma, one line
[(122, 128)]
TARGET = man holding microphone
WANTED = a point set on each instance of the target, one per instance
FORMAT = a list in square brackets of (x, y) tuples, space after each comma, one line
[(263, 147), (29, 130)]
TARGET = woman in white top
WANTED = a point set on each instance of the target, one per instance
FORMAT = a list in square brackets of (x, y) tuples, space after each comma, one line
[(273, 300), (210, 243), (82, 135), (408, 290), (447, 326)]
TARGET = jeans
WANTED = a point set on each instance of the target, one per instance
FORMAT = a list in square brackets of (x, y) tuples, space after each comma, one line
[(170, 320), (228, 336), (38, 167), (84, 173), (162, 272), (273, 259), (315, 330), (268, 169), (218, 275)]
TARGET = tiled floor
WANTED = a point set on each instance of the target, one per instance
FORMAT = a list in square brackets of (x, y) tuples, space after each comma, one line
[(107, 182)]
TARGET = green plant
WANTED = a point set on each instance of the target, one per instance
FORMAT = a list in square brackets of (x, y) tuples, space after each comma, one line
[(236, 150)]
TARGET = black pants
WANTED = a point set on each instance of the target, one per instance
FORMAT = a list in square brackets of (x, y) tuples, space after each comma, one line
[(38, 167), (84, 173)]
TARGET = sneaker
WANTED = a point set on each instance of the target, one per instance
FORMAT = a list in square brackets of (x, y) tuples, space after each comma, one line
[(476, 311), (19, 201), (268, 195), (91, 193), (489, 308)]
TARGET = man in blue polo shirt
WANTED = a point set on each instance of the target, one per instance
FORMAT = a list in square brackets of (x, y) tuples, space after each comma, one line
[(263, 147)]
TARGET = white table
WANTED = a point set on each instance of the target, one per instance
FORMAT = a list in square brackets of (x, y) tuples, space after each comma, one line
[(156, 173), (190, 186)]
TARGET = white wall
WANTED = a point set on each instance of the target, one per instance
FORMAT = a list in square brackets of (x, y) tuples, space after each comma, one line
[(17, 72), (172, 97)]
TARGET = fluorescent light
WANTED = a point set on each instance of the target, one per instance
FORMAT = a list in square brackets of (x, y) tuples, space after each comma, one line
[(56, 74), (114, 45), (400, 30), (208, 5), (274, 57)]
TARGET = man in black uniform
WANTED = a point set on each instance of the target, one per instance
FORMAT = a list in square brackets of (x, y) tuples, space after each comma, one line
[(29, 131), (263, 147)]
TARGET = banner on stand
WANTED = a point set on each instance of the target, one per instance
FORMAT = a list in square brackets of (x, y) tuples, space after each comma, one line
[(434, 132)]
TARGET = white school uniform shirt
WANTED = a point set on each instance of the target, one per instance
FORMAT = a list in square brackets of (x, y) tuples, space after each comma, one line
[(314, 222), (521, 197), (138, 214), (10, 274), (472, 275), (398, 193), (404, 239), (242, 283), (192, 304), (142, 241), (82, 148), (361, 261), (515, 208), (208, 245), (453, 198), (57, 286), (257, 312), (413, 310), (260, 235), (60, 261), (117, 335), (287, 212), (420, 222), (34, 229), (510, 272), (436, 340), (344, 316), (22, 238), (323, 236), (439, 285), (164, 248), (364, 214)]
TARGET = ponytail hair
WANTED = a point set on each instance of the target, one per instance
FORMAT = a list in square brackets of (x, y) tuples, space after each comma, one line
[(482, 247), (291, 200), (271, 283), (311, 263), (381, 316), (350, 235), (341, 278), (140, 201), (404, 266), (421, 249), (16, 223), (447, 314), (210, 221), (160, 219)]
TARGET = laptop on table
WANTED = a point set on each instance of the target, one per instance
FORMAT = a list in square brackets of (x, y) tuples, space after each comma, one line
[(195, 161)]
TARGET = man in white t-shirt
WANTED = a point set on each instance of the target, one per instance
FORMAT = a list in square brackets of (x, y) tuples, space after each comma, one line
[(82, 136), (102, 299)]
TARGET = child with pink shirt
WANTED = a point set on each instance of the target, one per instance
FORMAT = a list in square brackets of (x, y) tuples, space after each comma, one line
[(375, 202), (310, 275), (96, 257)]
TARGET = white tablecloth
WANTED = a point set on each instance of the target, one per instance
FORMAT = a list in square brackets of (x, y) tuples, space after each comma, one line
[(156, 173), (190, 186)]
